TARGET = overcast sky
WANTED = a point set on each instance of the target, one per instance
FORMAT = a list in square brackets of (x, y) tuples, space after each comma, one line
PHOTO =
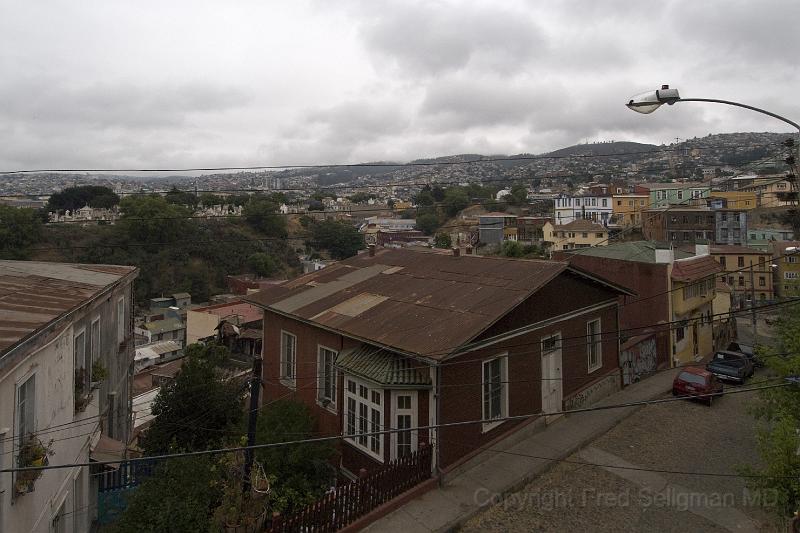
[(195, 83)]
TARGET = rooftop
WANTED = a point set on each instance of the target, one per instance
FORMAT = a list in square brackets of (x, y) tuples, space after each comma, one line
[(245, 311), (695, 268), (411, 301), (638, 251), (166, 324), (581, 224), (34, 294), (687, 185), (738, 250)]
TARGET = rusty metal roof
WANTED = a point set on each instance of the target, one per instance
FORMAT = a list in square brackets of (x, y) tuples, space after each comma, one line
[(33, 294), (695, 268), (411, 301)]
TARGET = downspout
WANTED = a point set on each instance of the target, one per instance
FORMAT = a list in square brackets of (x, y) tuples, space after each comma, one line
[(437, 445)]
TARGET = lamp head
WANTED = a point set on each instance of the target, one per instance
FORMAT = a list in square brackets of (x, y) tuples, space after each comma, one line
[(648, 102)]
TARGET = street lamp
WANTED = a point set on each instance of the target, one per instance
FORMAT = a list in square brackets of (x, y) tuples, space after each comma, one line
[(648, 102)]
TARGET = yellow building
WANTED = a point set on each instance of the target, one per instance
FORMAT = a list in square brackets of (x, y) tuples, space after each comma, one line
[(737, 199), (627, 208), (771, 191), (737, 263), (579, 233), (787, 268), (693, 292)]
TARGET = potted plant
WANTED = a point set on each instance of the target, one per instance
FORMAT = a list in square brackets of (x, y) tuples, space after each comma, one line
[(81, 395), (99, 373), (32, 452)]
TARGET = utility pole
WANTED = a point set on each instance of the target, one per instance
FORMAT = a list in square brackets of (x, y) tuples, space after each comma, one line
[(753, 305), (255, 390)]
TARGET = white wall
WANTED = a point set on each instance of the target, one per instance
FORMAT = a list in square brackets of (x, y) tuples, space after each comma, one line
[(52, 365)]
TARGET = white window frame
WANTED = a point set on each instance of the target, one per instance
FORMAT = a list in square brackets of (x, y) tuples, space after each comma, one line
[(396, 412), (328, 403), (680, 194), (87, 371), (94, 346), (286, 379), (491, 424), (369, 405), (121, 319), (22, 433), (596, 343)]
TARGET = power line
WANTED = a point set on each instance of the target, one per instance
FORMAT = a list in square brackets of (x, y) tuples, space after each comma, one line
[(388, 431), (352, 165)]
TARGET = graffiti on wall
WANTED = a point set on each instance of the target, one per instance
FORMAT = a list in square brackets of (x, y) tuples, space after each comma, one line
[(594, 392), (638, 361)]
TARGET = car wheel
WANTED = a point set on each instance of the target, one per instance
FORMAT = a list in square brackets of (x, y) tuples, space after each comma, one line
[(674, 392)]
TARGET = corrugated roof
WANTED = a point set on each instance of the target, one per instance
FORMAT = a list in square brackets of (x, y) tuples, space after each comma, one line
[(581, 224), (34, 294), (638, 251), (383, 367), (696, 268), (735, 249), (432, 305), (166, 324)]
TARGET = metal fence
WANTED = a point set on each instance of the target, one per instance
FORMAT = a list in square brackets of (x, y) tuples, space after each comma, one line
[(347, 503)]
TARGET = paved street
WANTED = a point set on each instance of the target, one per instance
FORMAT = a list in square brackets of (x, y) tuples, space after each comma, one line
[(684, 436)]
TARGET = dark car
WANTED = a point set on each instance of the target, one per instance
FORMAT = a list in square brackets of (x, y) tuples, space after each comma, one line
[(730, 366), (697, 382), (748, 350)]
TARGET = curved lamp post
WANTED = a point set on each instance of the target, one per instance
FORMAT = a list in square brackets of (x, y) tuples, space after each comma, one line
[(648, 102)]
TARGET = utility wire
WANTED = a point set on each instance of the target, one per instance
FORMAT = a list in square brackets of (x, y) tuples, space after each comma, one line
[(389, 431)]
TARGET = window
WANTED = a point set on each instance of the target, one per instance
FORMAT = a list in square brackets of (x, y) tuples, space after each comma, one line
[(495, 391), (791, 259), (659, 195), (679, 334), (404, 416), (577, 202), (598, 235), (82, 378), (26, 409), (619, 202), (326, 377), (95, 344), (724, 217), (680, 195), (762, 281), (685, 219), (641, 202), (722, 260), (584, 235), (364, 415), (740, 261), (121, 320), (741, 281), (630, 203), (605, 202), (696, 193), (594, 345), (288, 359)]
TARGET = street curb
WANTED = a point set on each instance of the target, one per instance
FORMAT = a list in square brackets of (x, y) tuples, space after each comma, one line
[(455, 525)]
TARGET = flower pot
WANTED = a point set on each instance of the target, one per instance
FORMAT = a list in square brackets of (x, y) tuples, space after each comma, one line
[(23, 486)]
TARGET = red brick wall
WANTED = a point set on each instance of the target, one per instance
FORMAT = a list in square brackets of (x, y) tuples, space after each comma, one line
[(461, 382)]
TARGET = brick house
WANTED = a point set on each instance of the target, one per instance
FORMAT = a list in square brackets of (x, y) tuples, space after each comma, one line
[(402, 339)]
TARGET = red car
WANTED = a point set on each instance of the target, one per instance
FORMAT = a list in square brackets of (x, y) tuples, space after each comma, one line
[(696, 381)]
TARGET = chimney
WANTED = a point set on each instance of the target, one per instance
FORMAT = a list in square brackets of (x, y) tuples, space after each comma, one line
[(371, 250), (665, 254), (456, 252), (469, 249)]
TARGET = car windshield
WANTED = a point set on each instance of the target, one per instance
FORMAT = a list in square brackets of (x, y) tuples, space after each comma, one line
[(692, 378)]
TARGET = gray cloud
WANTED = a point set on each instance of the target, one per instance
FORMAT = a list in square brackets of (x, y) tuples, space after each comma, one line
[(96, 84)]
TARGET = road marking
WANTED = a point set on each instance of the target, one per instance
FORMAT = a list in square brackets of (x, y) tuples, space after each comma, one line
[(657, 486)]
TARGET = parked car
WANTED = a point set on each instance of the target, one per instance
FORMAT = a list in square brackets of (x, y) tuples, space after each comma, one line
[(730, 366), (695, 381), (748, 350)]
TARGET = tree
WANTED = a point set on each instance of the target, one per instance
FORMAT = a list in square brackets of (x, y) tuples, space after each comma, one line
[(262, 264), (511, 249), (427, 223), (179, 197), (208, 199), (438, 193), (442, 240), (361, 197), (424, 198), (455, 199), (194, 411), (152, 219), (518, 196), (341, 239), (390, 203), (262, 215), (19, 228), (179, 496), (779, 410), (301, 473), (73, 198)]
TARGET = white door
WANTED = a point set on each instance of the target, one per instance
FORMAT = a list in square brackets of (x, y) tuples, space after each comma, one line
[(552, 386)]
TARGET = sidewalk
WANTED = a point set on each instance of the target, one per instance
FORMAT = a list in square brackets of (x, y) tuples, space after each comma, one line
[(446, 508)]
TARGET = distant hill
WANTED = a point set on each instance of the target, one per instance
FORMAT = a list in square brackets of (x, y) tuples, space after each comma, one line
[(605, 149)]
